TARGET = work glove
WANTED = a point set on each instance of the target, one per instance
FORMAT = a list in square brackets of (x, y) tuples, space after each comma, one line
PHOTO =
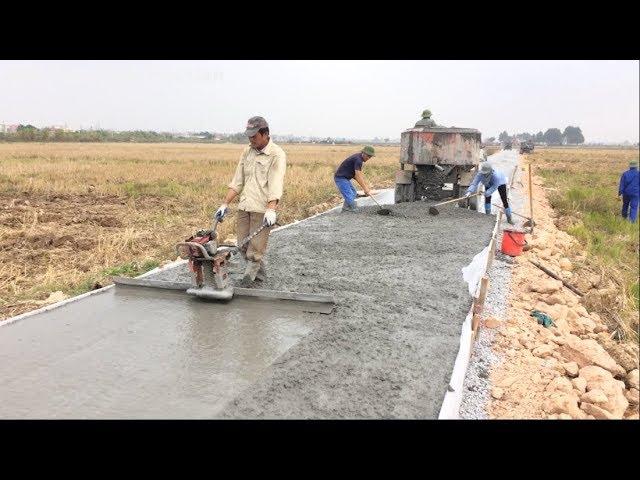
[(220, 213), (270, 217), (468, 194)]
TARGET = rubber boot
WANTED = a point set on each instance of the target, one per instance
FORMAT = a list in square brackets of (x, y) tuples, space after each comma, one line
[(237, 260), (507, 212), (261, 276), (487, 208), (250, 273), (346, 207)]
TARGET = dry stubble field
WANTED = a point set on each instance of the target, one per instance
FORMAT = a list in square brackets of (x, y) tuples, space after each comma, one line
[(74, 214), (582, 187)]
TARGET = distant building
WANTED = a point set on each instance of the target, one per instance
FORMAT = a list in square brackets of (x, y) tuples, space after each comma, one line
[(4, 128)]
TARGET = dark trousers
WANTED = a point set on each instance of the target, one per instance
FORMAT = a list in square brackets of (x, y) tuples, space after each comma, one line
[(502, 190)]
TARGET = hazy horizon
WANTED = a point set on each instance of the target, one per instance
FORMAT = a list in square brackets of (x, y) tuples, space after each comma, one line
[(344, 99)]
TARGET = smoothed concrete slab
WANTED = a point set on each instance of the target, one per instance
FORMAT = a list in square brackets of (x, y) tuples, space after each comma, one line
[(141, 353)]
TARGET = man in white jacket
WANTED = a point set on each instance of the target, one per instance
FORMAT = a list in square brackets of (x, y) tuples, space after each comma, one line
[(259, 180)]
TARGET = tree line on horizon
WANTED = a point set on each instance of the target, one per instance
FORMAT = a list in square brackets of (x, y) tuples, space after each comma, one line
[(30, 133), (553, 136)]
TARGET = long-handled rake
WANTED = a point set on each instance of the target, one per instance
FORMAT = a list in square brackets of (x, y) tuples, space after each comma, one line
[(529, 221), (434, 211), (381, 211)]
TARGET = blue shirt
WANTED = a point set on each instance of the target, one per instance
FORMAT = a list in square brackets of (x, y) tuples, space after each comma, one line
[(490, 182), (348, 167), (629, 183)]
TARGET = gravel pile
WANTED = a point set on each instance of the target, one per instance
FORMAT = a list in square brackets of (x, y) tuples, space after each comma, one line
[(476, 387)]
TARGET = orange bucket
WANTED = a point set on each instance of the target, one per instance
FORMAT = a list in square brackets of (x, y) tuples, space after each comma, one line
[(512, 242)]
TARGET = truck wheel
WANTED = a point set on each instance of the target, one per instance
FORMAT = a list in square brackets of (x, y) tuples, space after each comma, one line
[(457, 192), (405, 193), (399, 194), (473, 202)]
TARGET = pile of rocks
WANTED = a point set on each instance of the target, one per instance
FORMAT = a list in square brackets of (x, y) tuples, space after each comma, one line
[(572, 369)]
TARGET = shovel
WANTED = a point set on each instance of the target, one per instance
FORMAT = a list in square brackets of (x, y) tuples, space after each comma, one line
[(528, 223), (434, 211), (381, 211)]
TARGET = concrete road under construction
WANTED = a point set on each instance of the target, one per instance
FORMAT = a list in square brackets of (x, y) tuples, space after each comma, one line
[(386, 351)]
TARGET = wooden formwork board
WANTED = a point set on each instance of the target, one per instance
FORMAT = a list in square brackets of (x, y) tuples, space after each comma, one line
[(530, 199), (478, 303), (483, 286), (492, 243)]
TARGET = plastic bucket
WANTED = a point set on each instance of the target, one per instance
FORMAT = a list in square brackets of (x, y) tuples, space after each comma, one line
[(512, 242)]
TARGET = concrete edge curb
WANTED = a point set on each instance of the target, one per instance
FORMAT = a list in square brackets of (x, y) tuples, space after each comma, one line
[(46, 308), (173, 264), (61, 303), (450, 408)]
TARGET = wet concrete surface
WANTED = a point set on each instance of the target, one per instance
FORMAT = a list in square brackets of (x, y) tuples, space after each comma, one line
[(388, 349), (141, 353)]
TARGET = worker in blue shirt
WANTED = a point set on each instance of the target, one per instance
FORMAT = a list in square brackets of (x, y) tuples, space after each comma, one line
[(629, 192), (351, 168), (492, 180)]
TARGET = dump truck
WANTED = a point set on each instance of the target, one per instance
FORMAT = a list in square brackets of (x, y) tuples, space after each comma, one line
[(526, 147), (437, 162)]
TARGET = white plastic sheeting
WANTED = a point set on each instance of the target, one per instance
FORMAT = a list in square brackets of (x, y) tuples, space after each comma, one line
[(450, 409), (473, 272), (383, 197)]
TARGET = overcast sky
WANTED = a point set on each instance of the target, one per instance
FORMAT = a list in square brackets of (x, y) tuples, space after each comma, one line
[(356, 99)]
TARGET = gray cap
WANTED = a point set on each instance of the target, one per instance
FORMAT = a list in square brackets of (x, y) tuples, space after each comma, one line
[(485, 168), (254, 124)]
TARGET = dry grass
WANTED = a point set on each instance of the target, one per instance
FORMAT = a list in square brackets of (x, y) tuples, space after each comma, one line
[(583, 189), (71, 215)]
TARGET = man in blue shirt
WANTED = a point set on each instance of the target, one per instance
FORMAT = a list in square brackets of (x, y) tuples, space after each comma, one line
[(492, 180), (349, 169), (629, 192)]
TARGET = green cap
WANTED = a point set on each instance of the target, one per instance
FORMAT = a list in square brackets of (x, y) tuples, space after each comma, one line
[(633, 163), (426, 114), (369, 151)]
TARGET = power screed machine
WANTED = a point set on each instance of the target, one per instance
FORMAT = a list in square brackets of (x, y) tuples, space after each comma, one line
[(209, 263)]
